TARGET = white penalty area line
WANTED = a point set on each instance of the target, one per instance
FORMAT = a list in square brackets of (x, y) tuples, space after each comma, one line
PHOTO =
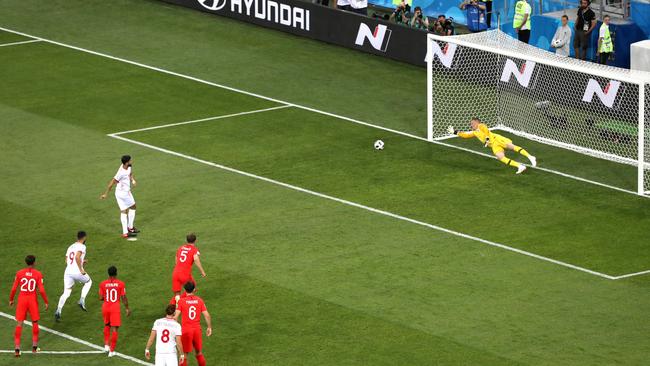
[(363, 207), (202, 81), (80, 341), (201, 120), (55, 352), (18, 43)]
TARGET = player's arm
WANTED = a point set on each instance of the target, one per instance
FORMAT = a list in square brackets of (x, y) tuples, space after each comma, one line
[(208, 321), (179, 347), (132, 177), (199, 265), (177, 314), (125, 301), (77, 259), (463, 134), (152, 336), (108, 188), (41, 290), (12, 294)]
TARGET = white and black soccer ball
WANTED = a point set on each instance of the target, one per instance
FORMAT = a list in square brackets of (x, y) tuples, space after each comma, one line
[(557, 43), (379, 145)]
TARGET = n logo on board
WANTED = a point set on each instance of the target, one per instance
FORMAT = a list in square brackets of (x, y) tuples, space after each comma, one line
[(378, 38), (606, 95), (522, 74), (445, 54)]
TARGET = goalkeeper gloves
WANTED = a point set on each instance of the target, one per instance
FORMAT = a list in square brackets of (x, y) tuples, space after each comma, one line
[(451, 130)]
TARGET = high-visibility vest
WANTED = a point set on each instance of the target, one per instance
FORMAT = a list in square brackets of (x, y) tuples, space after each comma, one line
[(520, 12), (606, 45)]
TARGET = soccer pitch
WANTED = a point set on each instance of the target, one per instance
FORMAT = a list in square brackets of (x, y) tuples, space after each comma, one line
[(318, 249)]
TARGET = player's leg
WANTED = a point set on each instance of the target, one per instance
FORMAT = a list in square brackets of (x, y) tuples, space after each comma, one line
[(177, 285), (197, 342), (68, 282), (35, 316), (522, 151), (85, 279), (18, 332), (124, 219), (500, 154), (131, 218), (186, 339), (116, 322)]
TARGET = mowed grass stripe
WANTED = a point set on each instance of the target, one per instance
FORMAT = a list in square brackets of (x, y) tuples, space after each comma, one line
[(536, 212)]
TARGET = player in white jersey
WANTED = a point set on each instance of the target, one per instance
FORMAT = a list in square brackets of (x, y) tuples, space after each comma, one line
[(75, 259), (167, 333), (123, 180)]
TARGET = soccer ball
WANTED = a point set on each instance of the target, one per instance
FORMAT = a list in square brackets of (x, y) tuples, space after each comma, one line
[(557, 43), (379, 145)]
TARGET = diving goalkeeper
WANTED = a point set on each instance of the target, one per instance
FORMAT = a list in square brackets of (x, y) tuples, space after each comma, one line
[(497, 142)]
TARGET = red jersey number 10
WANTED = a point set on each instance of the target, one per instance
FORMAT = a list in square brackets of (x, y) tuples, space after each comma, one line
[(111, 295)]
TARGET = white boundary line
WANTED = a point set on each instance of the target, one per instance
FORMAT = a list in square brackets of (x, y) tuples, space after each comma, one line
[(632, 275), (345, 119), (201, 120), (55, 352), (302, 107), (80, 341), (357, 205), (21, 42)]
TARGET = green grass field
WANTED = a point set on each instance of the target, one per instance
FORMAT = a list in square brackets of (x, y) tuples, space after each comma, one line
[(301, 270)]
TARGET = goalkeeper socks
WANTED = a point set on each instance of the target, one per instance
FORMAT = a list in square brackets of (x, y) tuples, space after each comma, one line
[(520, 150), (35, 331), (200, 359), (509, 162), (125, 220), (17, 334)]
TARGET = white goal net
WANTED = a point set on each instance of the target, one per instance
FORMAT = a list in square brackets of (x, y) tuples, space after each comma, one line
[(591, 109)]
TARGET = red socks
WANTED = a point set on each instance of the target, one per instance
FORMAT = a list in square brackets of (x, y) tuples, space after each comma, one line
[(17, 334), (107, 334), (35, 331), (200, 359), (113, 341)]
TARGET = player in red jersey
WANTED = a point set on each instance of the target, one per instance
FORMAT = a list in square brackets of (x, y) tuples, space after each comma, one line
[(28, 279), (112, 292), (190, 307), (186, 255)]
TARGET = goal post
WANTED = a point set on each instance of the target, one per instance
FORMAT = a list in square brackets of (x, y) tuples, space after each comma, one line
[(591, 109)]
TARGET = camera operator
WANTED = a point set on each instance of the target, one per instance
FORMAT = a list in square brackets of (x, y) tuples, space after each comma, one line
[(443, 26), (399, 14), (419, 21)]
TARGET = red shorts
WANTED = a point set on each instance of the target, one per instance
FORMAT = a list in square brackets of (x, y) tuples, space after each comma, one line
[(192, 337), (112, 316), (27, 306), (179, 279)]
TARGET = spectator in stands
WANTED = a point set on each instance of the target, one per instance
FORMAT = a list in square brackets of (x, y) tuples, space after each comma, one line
[(478, 8), (585, 23), (443, 26), (562, 38), (399, 14), (343, 5), (605, 45), (359, 6), (488, 11), (521, 22), (419, 21)]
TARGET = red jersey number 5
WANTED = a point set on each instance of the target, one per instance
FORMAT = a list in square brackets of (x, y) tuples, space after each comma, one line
[(183, 256)]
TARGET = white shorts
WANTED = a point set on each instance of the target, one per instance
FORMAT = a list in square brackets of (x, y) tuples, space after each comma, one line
[(70, 279), (166, 359), (124, 200)]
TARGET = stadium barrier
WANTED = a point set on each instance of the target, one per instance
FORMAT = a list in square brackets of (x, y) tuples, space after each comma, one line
[(325, 24)]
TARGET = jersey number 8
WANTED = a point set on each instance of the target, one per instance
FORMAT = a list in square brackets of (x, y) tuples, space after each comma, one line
[(165, 336)]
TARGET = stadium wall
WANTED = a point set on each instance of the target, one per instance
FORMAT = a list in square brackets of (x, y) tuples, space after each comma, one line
[(322, 23)]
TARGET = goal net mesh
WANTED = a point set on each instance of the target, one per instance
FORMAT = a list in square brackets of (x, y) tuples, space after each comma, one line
[(584, 107)]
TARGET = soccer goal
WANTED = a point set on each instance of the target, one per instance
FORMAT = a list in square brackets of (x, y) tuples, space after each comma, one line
[(591, 109)]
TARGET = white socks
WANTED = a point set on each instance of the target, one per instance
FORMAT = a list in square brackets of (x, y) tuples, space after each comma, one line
[(64, 296), (86, 289), (131, 216), (125, 226)]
